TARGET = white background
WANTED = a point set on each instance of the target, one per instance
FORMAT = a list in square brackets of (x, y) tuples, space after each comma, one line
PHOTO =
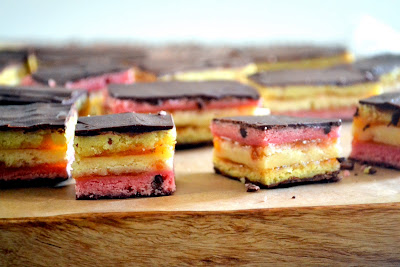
[(241, 21)]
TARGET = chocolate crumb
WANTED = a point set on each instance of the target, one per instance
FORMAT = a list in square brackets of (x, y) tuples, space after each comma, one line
[(243, 132), (252, 187), (110, 141), (356, 174), (347, 165), (293, 197), (366, 127), (158, 181), (370, 170)]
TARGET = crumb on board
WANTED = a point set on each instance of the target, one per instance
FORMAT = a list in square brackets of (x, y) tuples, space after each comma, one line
[(369, 170), (347, 164), (252, 187), (346, 173), (293, 197), (242, 180)]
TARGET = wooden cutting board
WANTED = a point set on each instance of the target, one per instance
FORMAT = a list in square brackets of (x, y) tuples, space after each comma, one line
[(209, 220)]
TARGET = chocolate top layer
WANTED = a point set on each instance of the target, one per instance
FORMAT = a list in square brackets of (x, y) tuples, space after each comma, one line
[(339, 76), (123, 123), (274, 122), (26, 95), (378, 65), (152, 92), (8, 57), (272, 54), (34, 116), (70, 73), (387, 101)]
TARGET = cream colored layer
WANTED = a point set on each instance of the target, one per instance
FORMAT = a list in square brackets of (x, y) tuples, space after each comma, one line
[(296, 91), (313, 63), (210, 74), (370, 114), (312, 103), (113, 143), (277, 175), (32, 157), (116, 165), (193, 135), (204, 117), (383, 134), (274, 156), (391, 81), (41, 138)]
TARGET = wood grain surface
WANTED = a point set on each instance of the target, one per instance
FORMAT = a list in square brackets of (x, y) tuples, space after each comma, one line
[(210, 220)]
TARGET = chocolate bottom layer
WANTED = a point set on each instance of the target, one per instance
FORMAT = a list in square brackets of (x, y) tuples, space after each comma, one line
[(160, 193), (374, 163), (329, 177), (37, 182)]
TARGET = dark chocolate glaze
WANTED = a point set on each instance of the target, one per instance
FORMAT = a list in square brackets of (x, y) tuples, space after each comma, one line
[(11, 57), (34, 116), (22, 95), (378, 65), (70, 73), (338, 76), (123, 123), (276, 122), (279, 53), (387, 101), (201, 91)]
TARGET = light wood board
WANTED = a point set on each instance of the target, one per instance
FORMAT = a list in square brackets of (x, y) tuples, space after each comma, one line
[(209, 220)]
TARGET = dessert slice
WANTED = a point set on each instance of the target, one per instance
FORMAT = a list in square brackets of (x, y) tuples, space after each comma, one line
[(284, 57), (192, 104), (35, 143), (376, 131), (15, 64), (22, 95), (124, 155), (386, 67), (271, 151), (326, 93)]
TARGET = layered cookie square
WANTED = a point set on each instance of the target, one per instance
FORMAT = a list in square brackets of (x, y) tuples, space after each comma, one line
[(22, 95), (192, 104), (326, 93), (124, 155), (273, 151), (385, 66), (376, 131), (35, 143), (15, 64)]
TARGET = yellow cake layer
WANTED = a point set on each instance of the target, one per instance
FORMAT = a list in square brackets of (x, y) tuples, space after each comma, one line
[(96, 104), (32, 157), (277, 175), (296, 91), (115, 165), (313, 63), (159, 142), (391, 81), (204, 117), (378, 131), (13, 75), (370, 114), (193, 135), (38, 139), (274, 156)]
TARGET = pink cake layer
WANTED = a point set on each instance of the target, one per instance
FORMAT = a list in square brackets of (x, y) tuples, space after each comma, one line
[(30, 173), (257, 137), (125, 105), (125, 186), (92, 83), (344, 114), (373, 153)]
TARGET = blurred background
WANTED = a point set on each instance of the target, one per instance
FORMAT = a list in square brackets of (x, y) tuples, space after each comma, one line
[(238, 22)]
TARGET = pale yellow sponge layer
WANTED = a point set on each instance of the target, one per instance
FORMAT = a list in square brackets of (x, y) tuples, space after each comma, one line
[(276, 175), (370, 114), (15, 139), (115, 143), (193, 135), (274, 156), (31, 157)]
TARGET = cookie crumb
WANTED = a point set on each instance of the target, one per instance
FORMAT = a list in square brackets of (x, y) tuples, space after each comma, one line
[(252, 187), (369, 170), (346, 173), (293, 197), (162, 113), (356, 174), (242, 180), (347, 165)]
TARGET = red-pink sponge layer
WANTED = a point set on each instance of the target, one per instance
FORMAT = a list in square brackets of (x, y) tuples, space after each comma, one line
[(125, 186), (256, 137), (373, 153), (124, 105), (91, 83)]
